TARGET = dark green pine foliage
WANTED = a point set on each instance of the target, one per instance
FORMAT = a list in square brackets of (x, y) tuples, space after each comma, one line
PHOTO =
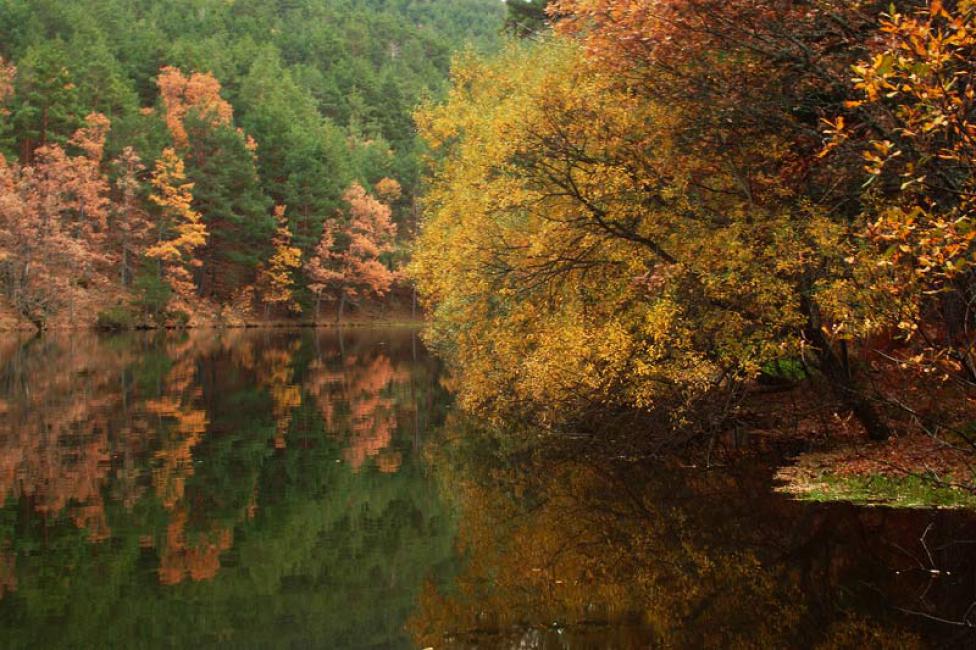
[(46, 108), (317, 170), (302, 157), (228, 194), (526, 17)]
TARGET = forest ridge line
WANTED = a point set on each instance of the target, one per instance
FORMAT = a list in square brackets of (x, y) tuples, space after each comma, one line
[(204, 162)]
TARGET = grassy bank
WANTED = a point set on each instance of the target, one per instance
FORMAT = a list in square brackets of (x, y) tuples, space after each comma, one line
[(937, 475)]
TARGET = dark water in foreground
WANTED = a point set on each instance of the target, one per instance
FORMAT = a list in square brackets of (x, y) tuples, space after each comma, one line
[(278, 489)]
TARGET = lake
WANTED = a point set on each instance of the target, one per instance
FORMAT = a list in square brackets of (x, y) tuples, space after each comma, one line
[(316, 489)]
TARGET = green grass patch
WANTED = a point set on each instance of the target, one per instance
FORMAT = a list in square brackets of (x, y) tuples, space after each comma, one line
[(897, 492)]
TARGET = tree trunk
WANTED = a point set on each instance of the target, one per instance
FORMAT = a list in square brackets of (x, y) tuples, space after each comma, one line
[(840, 376), (43, 135), (342, 307)]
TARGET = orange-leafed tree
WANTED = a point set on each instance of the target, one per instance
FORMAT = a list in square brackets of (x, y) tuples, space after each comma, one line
[(319, 268), (182, 94), (131, 227), (180, 230), (347, 263), (388, 190), (914, 126), (84, 183), (276, 282), (53, 216), (7, 74)]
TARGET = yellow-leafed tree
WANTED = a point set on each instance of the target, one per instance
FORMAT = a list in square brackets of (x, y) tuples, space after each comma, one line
[(181, 231), (276, 281)]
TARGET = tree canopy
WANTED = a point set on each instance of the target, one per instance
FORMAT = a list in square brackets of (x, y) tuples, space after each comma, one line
[(284, 103), (664, 202)]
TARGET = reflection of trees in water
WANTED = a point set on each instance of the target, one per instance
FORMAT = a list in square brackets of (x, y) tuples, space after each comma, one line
[(55, 447), (75, 422), (203, 462), (257, 543), (357, 393), (275, 372), (83, 419), (626, 555), (195, 556), (180, 424), (8, 572)]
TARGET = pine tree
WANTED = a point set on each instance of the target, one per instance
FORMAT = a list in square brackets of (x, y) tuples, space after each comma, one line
[(227, 193), (46, 107)]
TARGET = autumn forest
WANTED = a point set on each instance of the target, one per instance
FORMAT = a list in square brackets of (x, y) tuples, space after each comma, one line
[(206, 162), (488, 323), (694, 219)]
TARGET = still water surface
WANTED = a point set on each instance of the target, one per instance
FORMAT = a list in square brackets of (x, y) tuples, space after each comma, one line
[(276, 489)]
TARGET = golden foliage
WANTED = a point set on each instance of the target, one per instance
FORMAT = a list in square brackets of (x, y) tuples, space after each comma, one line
[(275, 279), (575, 252), (637, 213), (181, 230), (918, 95)]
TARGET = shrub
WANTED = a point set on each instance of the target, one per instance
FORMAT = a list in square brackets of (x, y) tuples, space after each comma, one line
[(117, 318)]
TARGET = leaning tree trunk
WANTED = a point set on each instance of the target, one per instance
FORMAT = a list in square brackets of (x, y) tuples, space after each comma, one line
[(840, 376)]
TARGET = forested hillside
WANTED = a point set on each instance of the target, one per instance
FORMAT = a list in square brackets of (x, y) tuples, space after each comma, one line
[(209, 160)]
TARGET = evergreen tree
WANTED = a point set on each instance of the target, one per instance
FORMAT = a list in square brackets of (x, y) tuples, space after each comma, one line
[(228, 195), (526, 17), (46, 108)]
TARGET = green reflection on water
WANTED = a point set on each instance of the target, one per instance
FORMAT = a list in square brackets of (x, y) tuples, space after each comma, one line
[(275, 489), (242, 489)]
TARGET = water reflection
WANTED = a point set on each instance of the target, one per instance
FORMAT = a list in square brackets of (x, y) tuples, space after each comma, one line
[(310, 489), (567, 551), (243, 488)]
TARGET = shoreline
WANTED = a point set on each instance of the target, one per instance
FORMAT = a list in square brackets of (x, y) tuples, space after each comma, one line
[(839, 466), (904, 472), (392, 323)]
